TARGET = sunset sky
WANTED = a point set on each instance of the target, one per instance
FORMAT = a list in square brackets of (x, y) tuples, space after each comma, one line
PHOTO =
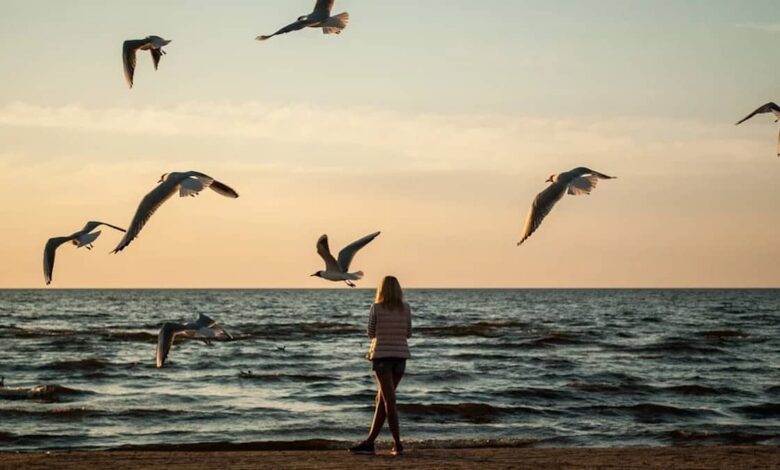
[(434, 121)]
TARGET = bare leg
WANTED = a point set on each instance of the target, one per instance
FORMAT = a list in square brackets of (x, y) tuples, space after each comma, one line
[(379, 416), (386, 385)]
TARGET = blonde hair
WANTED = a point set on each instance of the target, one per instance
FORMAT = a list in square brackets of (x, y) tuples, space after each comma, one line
[(389, 294)]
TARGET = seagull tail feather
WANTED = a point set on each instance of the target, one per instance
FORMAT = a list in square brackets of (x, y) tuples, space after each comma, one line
[(335, 24)]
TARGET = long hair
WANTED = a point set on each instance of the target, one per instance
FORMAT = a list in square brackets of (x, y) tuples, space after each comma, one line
[(389, 294)]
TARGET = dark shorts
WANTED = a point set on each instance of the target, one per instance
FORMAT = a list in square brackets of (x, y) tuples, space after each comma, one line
[(392, 364)]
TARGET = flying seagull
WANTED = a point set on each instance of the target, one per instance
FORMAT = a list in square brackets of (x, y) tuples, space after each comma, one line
[(83, 237), (338, 270), (204, 329), (319, 18), (188, 183), (153, 44), (767, 108), (577, 181)]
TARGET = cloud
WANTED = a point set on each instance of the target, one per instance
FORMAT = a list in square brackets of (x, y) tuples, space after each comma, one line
[(364, 139)]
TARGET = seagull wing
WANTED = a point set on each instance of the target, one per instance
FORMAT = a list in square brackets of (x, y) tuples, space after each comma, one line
[(582, 185), (323, 7), (218, 186), (48, 255), (156, 55), (208, 328), (324, 251), (542, 205), (128, 58), (290, 27), (766, 108), (204, 321), (348, 252), (582, 171), (93, 224), (222, 334), (149, 204), (223, 189), (165, 341)]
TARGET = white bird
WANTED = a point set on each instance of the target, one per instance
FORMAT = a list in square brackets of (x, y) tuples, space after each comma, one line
[(767, 108), (319, 18), (338, 270), (188, 183), (204, 329), (153, 44), (81, 238), (577, 181)]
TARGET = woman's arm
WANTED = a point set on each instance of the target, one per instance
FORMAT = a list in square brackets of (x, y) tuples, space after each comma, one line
[(372, 322)]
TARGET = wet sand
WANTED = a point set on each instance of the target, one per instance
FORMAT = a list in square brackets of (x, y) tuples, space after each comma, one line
[(725, 457)]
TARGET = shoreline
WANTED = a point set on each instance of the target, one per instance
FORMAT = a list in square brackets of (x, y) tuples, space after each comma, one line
[(715, 457)]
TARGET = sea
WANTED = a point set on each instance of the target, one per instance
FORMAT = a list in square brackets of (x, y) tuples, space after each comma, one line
[(536, 367)]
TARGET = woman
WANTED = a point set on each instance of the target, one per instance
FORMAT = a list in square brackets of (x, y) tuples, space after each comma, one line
[(389, 325)]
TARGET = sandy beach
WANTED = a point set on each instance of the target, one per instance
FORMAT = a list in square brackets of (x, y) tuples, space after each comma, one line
[(725, 457)]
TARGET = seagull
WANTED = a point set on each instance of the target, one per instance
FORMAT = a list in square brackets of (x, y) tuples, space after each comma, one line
[(577, 181), (204, 329), (767, 108), (188, 183), (83, 237), (337, 270), (319, 18), (153, 44)]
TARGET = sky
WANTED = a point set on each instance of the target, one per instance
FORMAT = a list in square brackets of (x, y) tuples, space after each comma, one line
[(436, 122)]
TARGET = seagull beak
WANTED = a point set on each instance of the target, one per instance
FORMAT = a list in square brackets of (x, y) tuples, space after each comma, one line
[(313, 274)]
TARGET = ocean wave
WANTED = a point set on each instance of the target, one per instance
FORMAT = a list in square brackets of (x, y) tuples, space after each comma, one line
[(84, 334), (724, 334), (630, 388), (674, 346), (90, 364), (45, 393), (532, 393), (40, 332), (471, 412), (485, 329), (281, 331), (728, 308), (687, 437), (361, 396), (86, 412), (762, 411), (129, 336), (558, 338), (698, 390), (645, 412), (281, 377)]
